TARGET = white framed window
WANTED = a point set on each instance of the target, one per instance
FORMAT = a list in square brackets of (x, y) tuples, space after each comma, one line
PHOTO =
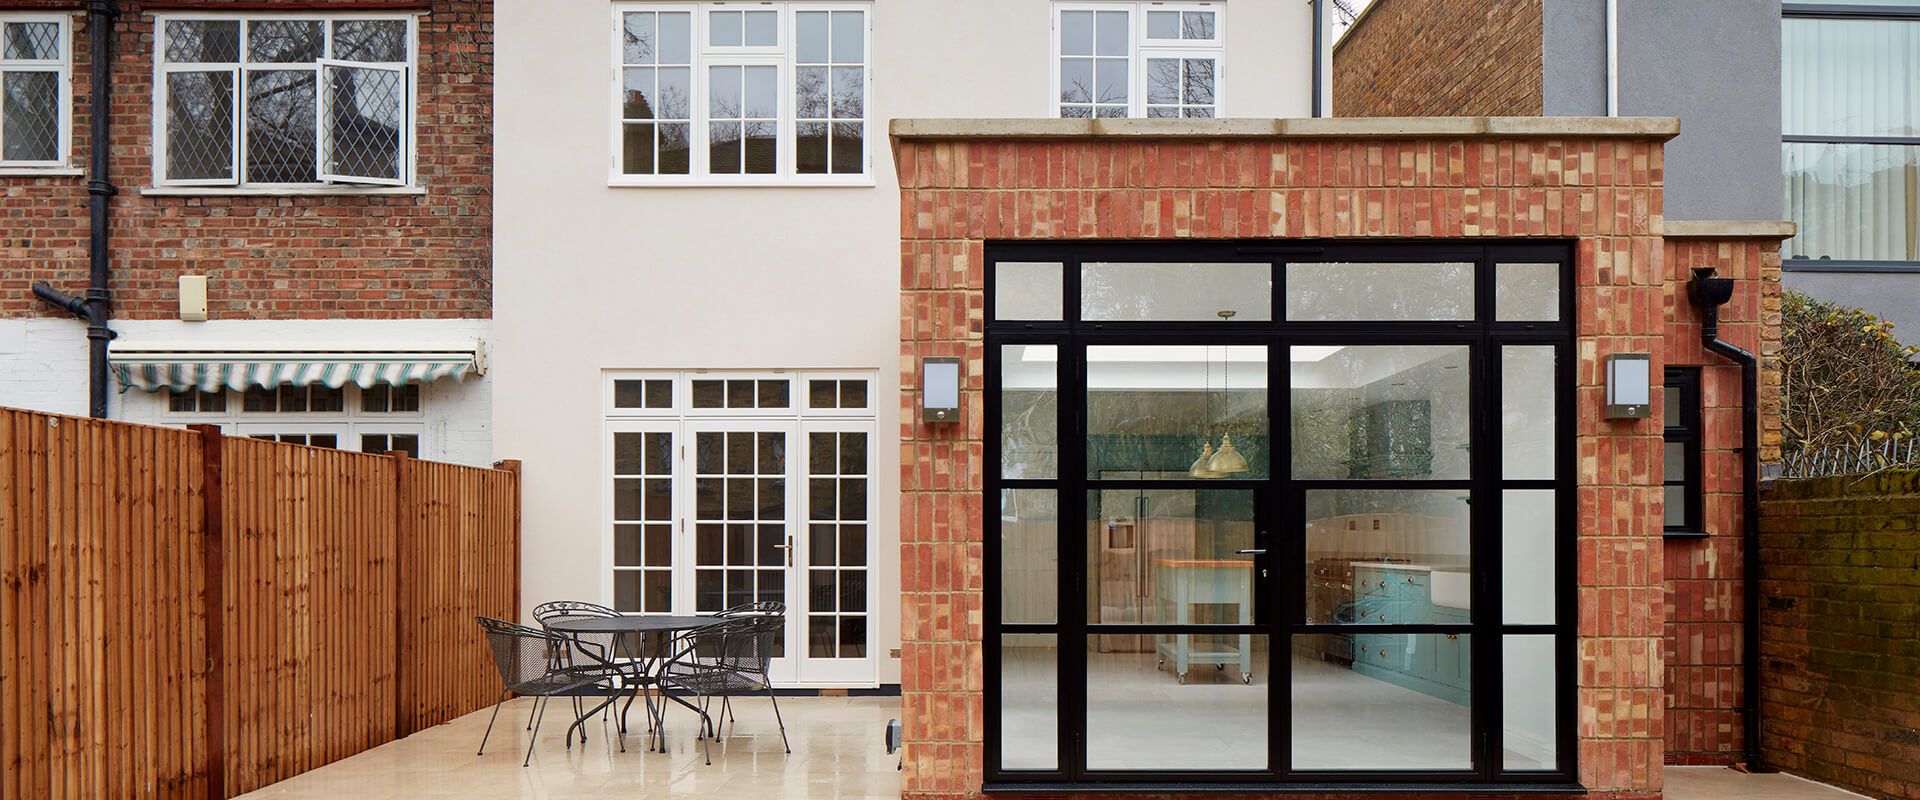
[(1146, 59), (36, 90), (284, 100), (374, 420), (742, 94)]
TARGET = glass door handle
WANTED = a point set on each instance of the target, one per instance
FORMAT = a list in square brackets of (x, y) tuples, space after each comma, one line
[(1253, 552), (789, 548)]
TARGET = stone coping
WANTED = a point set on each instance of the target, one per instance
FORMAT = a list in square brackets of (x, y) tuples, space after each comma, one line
[(1656, 128), (1728, 229)]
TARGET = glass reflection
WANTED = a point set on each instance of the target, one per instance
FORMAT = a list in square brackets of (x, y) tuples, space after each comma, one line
[(1029, 701), (1380, 412), (1029, 555), (1167, 292), (1029, 411), (1164, 411), (1527, 292), (1337, 292), (1527, 412), (1141, 716), (1388, 557), (1527, 688), (1382, 701), (1027, 290), (1167, 556), (1528, 546)]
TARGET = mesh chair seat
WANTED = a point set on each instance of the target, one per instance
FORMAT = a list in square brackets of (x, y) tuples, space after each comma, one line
[(538, 664)]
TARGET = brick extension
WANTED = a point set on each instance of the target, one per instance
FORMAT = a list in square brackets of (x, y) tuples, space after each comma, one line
[(1408, 58), (1602, 191), (410, 256)]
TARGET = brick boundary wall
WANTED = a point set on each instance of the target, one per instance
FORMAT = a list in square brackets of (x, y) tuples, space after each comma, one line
[(1451, 58), (1704, 604), (1840, 631), (393, 256), (1604, 193)]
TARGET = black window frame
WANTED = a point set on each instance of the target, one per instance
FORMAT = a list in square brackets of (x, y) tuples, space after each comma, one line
[(1282, 602), (1853, 11), (1683, 424)]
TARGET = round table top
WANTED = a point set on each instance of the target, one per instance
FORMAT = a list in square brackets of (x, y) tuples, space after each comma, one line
[(633, 623)]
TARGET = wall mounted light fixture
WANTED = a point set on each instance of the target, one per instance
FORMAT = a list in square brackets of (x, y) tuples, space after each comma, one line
[(940, 389), (1629, 386)]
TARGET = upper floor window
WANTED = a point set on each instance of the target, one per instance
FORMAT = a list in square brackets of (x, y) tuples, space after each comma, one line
[(282, 100), (752, 93), (1138, 59), (1850, 119), (34, 91)]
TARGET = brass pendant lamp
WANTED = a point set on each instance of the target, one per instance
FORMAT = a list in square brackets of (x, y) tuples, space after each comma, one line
[(1203, 466), (1227, 460)]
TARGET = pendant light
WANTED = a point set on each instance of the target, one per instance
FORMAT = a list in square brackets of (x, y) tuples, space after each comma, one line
[(1228, 459), (1203, 466)]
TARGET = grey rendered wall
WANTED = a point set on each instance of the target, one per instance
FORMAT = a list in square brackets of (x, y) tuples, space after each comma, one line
[(1715, 64), (1887, 295)]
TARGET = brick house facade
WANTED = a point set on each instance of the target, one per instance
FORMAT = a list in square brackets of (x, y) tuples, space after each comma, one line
[(413, 260), (1596, 184)]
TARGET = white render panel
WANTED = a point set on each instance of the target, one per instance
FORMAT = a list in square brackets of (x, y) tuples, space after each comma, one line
[(590, 278), (43, 365)]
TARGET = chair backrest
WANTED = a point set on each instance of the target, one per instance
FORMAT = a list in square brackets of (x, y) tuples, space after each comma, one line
[(761, 608), (520, 653), (746, 644), (571, 608)]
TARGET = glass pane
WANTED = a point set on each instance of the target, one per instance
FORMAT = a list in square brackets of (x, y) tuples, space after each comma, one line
[(810, 37), (1197, 25), (1027, 290), (284, 41), (1382, 701), (1029, 411), (849, 92), (1111, 38), (1379, 292), (33, 41), (1110, 80), (626, 590), (1163, 24), (203, 41), (1853, 202), (1076, 33), (1380, 412), (761, 29), (659, 592), (659, 499), (1527, 412), (676, 38), (629, 453), (853, 394), (371, 40), (762, 95), (709, 394), (659, 548), (1176, 292), (1163, 79), (1177, 412), (1841, 77), (1029, 701), (626, 394), (774, 394), (30, 115), (849, 37), (853, 498), (1029, 555), (1076, 81), (1167, 556), (200, 125), (740, 394), (1529, 683), (853, 592), (853, 545), (638, 42), (1674, 416), (1388, 557), (1529, 547), (849, 154), (628, 499), (1196, 86), (280, 126), (1676, 507), (853, 454), (1186, 702), (853, 637), (639, 98), (1526, 292), (723, 28), (1676, 461), (626, 545), (659, 453)]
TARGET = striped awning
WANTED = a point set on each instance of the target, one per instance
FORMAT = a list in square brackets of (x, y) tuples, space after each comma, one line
[(174, 367)]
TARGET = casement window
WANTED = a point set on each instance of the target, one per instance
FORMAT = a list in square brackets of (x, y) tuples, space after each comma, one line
[(742, 93), (376, 419), (35, 91), (1138, 59), (1682, 457), (1850, 130), (284, 100)]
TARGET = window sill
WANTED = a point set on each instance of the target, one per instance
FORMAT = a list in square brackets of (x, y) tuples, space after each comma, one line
[(865, 182), (41, 172), (277, 191), (1673, 534)]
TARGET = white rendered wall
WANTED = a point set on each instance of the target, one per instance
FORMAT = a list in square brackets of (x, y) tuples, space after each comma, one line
[(43, 365), (590, 278)]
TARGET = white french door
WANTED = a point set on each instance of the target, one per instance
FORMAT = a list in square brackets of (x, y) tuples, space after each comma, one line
[(713, 510)]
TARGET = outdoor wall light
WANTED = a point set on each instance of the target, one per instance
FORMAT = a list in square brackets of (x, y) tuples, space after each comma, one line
[(940, 389), (1629, 386)]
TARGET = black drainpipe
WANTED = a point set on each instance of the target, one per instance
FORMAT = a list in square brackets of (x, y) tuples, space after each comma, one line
[(1709, 293), (97, 308), (1320, 53)]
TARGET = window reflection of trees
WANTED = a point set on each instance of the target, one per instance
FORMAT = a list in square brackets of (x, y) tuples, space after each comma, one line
[(1379, 292)]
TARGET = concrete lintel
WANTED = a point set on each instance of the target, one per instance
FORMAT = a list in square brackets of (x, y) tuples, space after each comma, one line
[(1729, 229), (1658, 128)]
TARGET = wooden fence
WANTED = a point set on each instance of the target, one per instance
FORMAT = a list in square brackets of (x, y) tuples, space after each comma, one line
[(185, 614)]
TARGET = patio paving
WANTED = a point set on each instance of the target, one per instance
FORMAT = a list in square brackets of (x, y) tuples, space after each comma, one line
[(839, 751)]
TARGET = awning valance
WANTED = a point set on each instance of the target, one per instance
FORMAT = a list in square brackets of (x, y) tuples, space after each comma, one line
[(156, 367)]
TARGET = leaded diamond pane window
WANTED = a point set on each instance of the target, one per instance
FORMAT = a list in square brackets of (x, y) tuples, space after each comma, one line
[(285, 100), (34, 93)]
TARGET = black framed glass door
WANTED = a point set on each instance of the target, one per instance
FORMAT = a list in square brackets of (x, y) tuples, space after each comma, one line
[(1196, 579)]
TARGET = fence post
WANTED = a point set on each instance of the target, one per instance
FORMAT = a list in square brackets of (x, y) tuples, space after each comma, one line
[(403, 569), (213, 604), (513, 465)]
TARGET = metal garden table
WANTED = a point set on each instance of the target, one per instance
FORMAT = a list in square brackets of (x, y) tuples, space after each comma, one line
[(625, 629)]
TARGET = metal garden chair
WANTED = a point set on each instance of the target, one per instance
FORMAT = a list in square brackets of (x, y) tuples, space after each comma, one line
[(721, 660), (600, 648), (537, 664)]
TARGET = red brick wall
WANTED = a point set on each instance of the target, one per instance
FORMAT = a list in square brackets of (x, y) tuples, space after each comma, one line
[(334, 256), (1704, 603), (1440, 58), (1841, 687), (1604, 192)]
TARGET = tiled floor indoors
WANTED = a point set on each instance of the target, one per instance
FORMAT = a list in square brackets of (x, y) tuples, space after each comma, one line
[(838, 752)]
